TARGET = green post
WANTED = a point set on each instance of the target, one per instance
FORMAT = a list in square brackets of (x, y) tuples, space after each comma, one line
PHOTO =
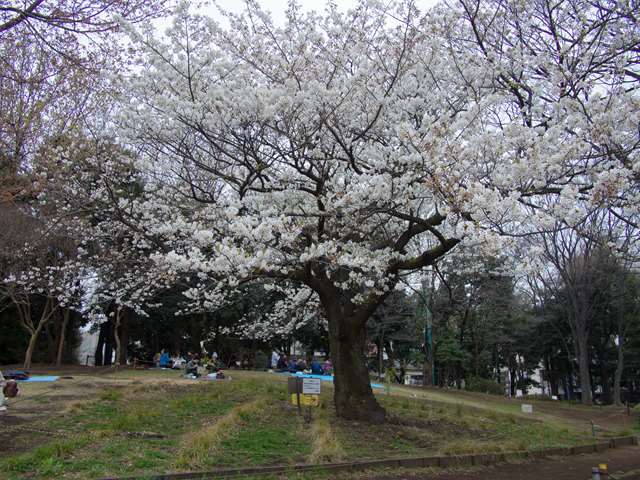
[(428, 332)]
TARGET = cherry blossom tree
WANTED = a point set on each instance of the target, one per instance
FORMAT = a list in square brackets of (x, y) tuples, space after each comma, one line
[(95, 198), (344, 151), (567, 76), (122, 287), (58, 25), (54, 56), (40, 280)]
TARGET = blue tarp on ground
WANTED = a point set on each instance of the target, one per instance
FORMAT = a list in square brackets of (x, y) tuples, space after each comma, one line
[(41, 378), (325, 378)]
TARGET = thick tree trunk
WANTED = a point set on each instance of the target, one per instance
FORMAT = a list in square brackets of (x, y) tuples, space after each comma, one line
[(380, 354), (107, 359), (605, 380), (618, 374), (33, 340), (99, 355), (513, 383), (582, 351), (50, 335), (124, 337), (61, 337), (353, 397), (116, 336), (553, 382), (35, 333)]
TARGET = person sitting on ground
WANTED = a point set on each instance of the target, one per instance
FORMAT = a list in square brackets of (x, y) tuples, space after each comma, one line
[(293, 365), (301, 366), (281, 366), (178, 362), (210, 364), (327, 367), (275, 360), (156, 359), (316, 368), (164, 359), (192, 368)]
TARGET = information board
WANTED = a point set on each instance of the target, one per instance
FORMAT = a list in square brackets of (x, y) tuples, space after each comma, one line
[(311, 386)]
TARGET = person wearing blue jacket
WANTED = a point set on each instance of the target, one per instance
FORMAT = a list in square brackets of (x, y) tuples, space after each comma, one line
[(293, 366), (164, 359), (316, 368)]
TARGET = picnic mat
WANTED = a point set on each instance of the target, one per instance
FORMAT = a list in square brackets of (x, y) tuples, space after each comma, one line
[(41, 378), (326, 378)]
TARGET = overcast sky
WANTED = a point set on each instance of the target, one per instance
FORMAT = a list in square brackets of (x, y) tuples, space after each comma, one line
[(277, 7)]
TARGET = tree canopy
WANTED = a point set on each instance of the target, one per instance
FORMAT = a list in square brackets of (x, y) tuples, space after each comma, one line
[(340, 153)]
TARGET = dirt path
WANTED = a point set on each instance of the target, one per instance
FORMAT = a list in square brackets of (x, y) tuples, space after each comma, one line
[(623, 463)]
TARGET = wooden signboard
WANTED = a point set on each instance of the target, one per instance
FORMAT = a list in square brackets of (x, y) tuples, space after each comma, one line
[(304, 391)]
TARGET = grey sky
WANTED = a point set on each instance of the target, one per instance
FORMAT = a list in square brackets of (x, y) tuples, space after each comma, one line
[(278, 7)]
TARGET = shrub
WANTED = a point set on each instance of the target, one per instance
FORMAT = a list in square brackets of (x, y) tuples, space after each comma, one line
[(261, 361), (538, 396), (484, 385)]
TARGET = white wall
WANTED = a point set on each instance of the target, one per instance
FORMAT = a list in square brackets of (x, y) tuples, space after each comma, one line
[(88, 344)]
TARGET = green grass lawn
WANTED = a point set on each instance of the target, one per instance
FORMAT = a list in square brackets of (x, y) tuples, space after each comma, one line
[(248, 421)]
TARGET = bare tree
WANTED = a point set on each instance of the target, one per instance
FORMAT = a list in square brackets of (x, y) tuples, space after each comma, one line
[(582, 267)]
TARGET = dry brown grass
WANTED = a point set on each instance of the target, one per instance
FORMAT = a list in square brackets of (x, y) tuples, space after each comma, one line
[(199, 445), (470, 445), (325, 446)]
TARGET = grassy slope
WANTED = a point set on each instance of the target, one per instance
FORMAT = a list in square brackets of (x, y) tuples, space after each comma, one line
[(247, 421), (575, 416)]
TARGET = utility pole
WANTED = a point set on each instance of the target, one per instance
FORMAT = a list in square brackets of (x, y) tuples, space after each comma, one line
[(428, 370)]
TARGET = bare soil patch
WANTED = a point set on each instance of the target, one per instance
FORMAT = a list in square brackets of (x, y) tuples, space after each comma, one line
[(622, 463), (28, 415)]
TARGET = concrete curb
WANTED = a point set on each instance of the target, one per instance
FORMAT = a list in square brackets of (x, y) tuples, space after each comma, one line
[(442, 461)]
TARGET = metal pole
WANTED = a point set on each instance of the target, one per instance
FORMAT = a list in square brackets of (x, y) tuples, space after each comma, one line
[(428, 332)]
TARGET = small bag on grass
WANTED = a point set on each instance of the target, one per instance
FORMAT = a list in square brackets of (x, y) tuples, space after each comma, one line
[(11, 389)]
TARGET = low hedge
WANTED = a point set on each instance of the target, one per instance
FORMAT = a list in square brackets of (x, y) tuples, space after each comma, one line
[(483, 385)]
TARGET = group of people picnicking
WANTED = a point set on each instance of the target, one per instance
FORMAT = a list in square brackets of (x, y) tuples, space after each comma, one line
[(282, 363), (194, 364)]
